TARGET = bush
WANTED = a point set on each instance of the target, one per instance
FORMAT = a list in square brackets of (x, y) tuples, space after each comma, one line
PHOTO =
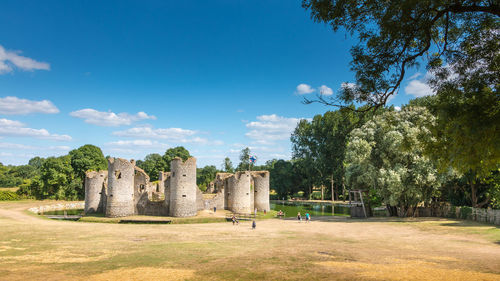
[(8, 196), (465, 212), (316, 195)]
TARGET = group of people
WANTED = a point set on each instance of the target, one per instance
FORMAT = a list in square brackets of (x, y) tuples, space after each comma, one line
[(280, 213), (235, 221), (299, 217)]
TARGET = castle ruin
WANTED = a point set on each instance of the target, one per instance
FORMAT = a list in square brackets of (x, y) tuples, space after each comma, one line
[(125, 190)]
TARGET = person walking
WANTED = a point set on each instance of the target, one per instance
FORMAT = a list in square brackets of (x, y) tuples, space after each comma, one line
[(234, 219), (215, 209), (299, 217), (254, 225), (308, 217)]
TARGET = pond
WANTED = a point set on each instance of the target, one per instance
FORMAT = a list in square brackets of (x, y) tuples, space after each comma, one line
[(314, 209), (72, 212)]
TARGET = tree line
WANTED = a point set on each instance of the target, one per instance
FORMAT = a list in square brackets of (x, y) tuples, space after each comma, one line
[(62, 178)]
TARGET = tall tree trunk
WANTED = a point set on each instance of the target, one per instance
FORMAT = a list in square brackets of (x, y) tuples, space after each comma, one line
[(473, 195), (333, 188), (322, 192), (343, 191)]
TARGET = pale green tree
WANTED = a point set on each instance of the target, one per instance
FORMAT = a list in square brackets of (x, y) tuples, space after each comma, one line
[(386, 155)]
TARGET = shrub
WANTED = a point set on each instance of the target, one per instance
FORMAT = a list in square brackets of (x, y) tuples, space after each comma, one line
[(8, 196)]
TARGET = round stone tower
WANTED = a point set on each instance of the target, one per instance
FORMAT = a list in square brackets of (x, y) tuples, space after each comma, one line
[(95, 191), (238, 193), (183, 187), (261, 190), (120, 201)]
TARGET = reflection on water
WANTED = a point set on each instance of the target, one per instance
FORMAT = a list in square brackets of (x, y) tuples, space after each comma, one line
[(314, 209), (65, 212)]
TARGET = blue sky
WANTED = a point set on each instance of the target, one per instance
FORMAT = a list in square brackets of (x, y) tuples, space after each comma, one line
[(138, 77)]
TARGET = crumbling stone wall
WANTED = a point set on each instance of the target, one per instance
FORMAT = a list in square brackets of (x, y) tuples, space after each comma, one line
[(216, 201), (142, 190), (120, 200), (183, 188), (164, 179), (221, 182), (95, 191), (238, 194), (261, 190)]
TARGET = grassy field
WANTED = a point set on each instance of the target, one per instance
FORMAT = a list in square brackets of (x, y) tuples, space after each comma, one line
[(333, 248)]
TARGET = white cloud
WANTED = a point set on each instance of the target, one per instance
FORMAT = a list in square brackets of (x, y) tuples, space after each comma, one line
[(397, 108), (415, 76), (418, 88), (17, 106), (138, 143), (325, 91), (174, 134), (10, 123), (7, 145), (270, 128), (109, 119), (14, 128), (11, 59), (348, 85), (303, 89)]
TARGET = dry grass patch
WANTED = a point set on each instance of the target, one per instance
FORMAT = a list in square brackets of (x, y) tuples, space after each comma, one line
[(144, 273), (400, 269)]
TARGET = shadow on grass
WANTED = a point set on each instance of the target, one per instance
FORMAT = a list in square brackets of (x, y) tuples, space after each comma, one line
[(466, 223), (454, 223)]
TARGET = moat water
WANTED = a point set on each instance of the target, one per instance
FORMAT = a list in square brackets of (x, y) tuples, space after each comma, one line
[(314, 209), (72, 212)]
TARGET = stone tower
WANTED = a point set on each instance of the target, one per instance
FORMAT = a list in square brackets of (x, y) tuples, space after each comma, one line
[(238, 193), (120, 201), (261, 190), (95, 191), (182, 189)]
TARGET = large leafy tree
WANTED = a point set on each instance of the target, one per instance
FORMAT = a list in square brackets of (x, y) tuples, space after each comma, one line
[(174, 152), (322, 142), (283, 178), (205, 175), (227, 165), (396, 35), (244, 159), (57, 180), (386, 155), (153, 164), (85, 158)]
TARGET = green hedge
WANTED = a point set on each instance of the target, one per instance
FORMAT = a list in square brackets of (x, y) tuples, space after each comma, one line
[(8, 196)]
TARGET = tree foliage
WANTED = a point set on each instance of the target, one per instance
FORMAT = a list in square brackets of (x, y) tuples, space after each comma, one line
[(205, 175), (172, 153), (396, 35), (87, 158), (387, 155), (227, 166), (244, 159), (153, 164), (322, 143)]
